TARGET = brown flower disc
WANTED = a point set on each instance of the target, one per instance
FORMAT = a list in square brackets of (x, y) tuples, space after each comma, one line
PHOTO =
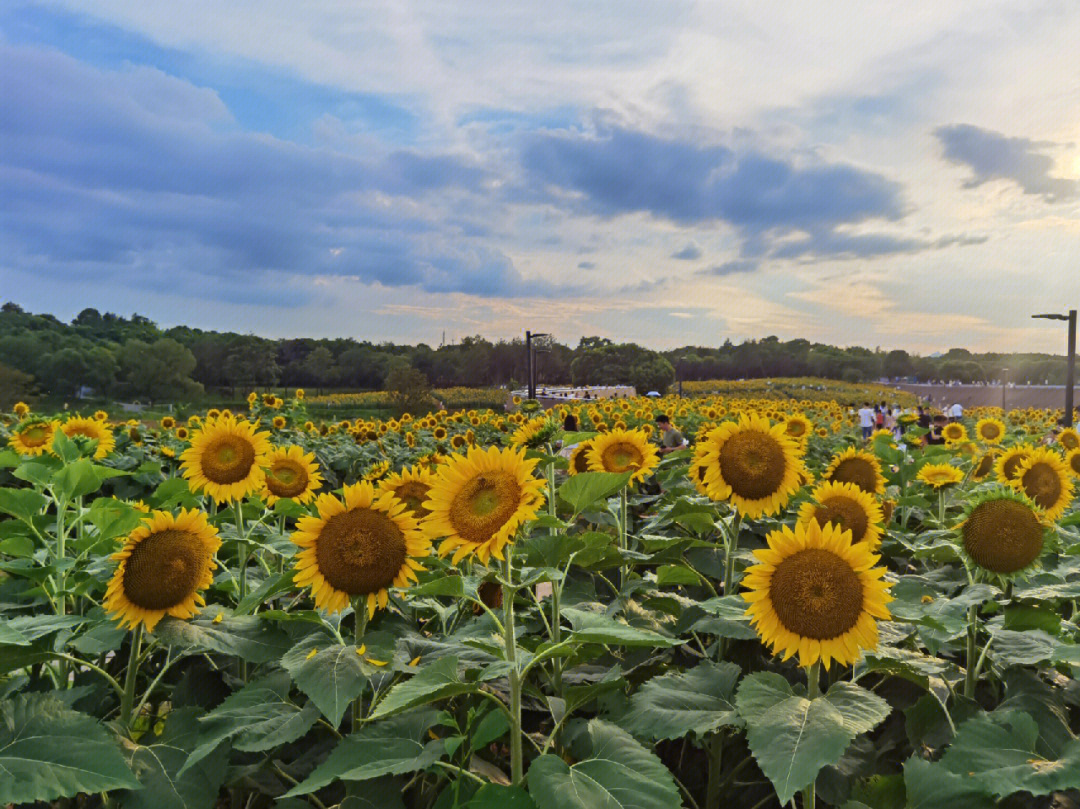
[(360, 551), (164, 569), (816, 594), (753, 464), (1003, 535)]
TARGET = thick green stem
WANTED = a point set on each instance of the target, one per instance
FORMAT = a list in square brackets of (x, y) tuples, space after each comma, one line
[(517, 769), (624, 542), (128, 700), (732, 546), (360, 619), (941, 507), (712, 786), (243, 554), (813, 690), (556, 588), (969, 680), (61, 552)]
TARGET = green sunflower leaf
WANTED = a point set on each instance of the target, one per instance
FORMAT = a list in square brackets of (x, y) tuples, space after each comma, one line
[(328, 672), (676, 704)]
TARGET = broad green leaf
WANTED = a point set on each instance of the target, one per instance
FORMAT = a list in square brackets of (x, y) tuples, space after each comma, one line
[(82, 477), (453, 586), (792, 738), (48, 751), (676, 574), (282, 583), (244, 635), (498, 796), (11, 637), (613, 771), (22, 504), (1028, 648), (862, 710), (592, 627), (329, 673), (157, 760), (676, 704), (33, 627), (436, 680), (8, 458), (390, 747), (584, 490), (19, 547), (998, 751), (64, 447), (259, 716), (931, 786), (40, 472), (113, 518), (1021, 617)]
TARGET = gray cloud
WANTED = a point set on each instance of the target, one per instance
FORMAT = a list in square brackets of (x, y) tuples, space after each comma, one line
[(731, 268), (689, 253), (993, 156)]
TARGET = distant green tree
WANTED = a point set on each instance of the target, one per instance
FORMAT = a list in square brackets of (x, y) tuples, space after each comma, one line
[(409, 390), (319, 366), (14, 386), (252, 362), (897, 363), (160, 370)]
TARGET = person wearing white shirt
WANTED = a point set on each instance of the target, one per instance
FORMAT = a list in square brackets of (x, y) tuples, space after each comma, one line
[(866, 420), (956, 412)]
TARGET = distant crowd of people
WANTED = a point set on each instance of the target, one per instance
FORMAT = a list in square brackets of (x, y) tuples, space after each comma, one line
[(883, 417)]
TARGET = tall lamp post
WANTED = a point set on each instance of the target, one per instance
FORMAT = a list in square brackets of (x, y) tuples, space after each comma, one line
[(531, 353), (1004, 386), (1070, 369)]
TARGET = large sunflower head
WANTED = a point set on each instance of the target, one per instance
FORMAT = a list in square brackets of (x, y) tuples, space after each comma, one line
[(816, 593), (797, 427), (291, 474), (579, 458), (358, 548), (752, 464), (939, 475), (858, 467), (1003, 533), (479, 500), (410, 486), (1069, 439), (226, 458), (848, 507), (990, 430), (93, 430), (164, 564), (1044, 477), (33, 437), (954, 433), (623, 451), (1008, 462), (1072, 460)]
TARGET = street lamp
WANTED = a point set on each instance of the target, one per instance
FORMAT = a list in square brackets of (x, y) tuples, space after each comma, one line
[(529, 337), (1071, 367), (1004, 386)]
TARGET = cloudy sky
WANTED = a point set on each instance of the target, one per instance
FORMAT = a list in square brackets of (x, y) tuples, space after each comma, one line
[(895, 175)]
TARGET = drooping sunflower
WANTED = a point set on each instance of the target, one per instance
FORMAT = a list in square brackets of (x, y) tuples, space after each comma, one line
[(377, 471), (358, 548), (1072, 460), (20, 409), (623, 451), (91, 429), (1003, 533), (579, 458), (1008, 463), (990, 430), (534, 433), (164, 564), (848, 507), (752, 464), (1069, 439), (479, 500), (290, 474), (1044, 477), (985, 465), (858, 467), (817, 594), (410, 486), (226, 458), (954, 433), (32, 437), (939, 475)]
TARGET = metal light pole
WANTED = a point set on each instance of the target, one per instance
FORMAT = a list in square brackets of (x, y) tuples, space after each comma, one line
[(1070, 369), (1004, 386), (529, 337)]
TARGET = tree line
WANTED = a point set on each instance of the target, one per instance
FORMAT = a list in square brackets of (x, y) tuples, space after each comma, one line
[(131, 357)]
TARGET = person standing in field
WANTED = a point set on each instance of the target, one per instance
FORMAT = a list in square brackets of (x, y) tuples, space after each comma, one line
[(866, 420), (670, 438)]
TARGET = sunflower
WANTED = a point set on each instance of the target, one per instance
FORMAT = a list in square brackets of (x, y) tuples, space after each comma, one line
[(291, 474), (182, 433), (623, 451), (1003, 533), (847, 506), (300, 394), (816, 593), (479, 500), (278, 422), (939, 475), (534, 432), (20, 409), (1008, 463), (163, 565), (887, 509), (954, 433), (1069, 438), (985, 465), (1044, 477), (410, 486), (579, 458), (377, 471), (1072, 460), (858, 467), (100, 415), (226, 458), (358, 548), (439, 433), (33, 437), (167, 422), (269, 399), (752, 464), (797, 427), (93, 430), (990, 430)]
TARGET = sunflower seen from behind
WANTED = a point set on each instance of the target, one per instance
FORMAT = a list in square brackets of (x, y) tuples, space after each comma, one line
[(357, 548), (621, 451), (290, 474), (1003, 534), (225, 459), (752, 464), (846, 506), (163, 566), (816, 594), (479, 500), (1044, 477), (93, 430), (859, 467)]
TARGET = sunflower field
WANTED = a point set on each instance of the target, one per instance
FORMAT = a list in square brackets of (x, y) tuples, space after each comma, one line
[(486, 610)]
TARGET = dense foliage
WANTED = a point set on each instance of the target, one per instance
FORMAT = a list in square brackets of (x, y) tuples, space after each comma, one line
[(577, 635)]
